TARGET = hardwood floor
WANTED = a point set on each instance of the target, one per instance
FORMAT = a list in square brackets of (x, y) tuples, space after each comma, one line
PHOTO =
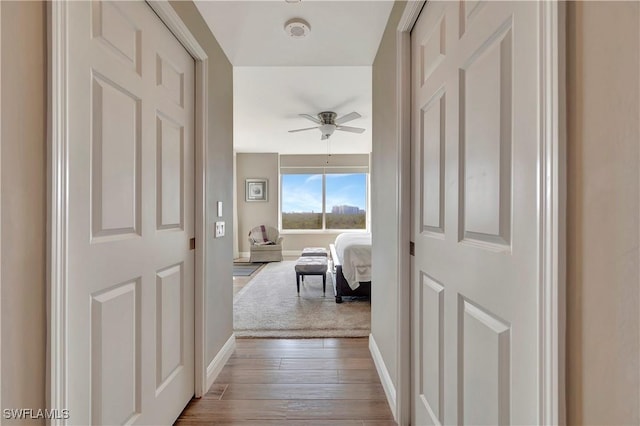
[(306, 382)]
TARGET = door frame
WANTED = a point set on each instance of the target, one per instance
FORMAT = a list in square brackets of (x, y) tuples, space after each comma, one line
[(0, 199), (552, 184), (57, 209)]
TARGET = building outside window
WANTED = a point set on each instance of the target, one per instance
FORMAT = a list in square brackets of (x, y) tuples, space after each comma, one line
[(324, 201), (318, 193)]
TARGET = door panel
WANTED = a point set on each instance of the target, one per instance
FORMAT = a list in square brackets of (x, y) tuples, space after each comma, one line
[(432, 346), (485, 139), (115, 346), (115, 178), (131, 216), (485, 348), (169, 324), (119, 33), (170, 172), (474, 213), (432, 167)]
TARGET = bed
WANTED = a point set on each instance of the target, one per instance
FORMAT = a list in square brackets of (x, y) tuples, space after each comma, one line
[(351, 265)]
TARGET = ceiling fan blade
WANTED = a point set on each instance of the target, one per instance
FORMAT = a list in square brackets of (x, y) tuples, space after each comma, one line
[(302, 130), (348, 117), (311, 117), (350, 129)]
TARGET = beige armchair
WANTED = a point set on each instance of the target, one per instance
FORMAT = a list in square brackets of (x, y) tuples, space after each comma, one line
[(265, 244)]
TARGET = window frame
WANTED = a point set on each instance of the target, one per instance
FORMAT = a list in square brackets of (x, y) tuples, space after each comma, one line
[(324, 230)]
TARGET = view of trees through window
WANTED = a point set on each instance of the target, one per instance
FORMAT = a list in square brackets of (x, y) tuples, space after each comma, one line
[(345, 201)]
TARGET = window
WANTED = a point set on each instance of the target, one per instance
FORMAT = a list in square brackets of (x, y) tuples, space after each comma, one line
[(302, 201), (346, 198), (317, 201)]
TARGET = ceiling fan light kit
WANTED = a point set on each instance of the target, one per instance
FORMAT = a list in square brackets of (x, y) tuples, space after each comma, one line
[(297, 28), (328, 122)]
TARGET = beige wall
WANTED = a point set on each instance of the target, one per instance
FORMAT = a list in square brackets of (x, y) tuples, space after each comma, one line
[(296, 242), (384, 184), (251, 214), (236, 246), (254, 213), (603, 283), (219, 262), (23, 180)]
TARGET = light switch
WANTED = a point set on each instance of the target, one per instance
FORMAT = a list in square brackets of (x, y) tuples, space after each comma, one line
[(219, 208), (219, 230)]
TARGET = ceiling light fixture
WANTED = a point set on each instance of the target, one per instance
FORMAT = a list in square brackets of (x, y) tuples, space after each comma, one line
[(297, 28), (292, 1)]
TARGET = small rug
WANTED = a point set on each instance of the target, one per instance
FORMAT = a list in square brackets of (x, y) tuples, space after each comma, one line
[(269, 306), (245, 269)]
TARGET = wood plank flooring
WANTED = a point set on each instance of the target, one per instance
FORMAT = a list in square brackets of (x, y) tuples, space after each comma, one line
[(305, 382)]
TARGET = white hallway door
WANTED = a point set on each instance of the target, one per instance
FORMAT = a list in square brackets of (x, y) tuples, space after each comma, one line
[(130, 340), (475, 152)]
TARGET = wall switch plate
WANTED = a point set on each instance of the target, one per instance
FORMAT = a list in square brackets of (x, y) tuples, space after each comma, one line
[(219, 230), (219, 208)]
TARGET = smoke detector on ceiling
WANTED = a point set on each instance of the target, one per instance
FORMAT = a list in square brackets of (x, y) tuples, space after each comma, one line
[(297, 28)]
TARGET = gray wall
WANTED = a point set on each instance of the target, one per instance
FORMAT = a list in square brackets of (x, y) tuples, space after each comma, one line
[(251, 214), (23, 203), (603, 289), (385, 192), (219, 262)]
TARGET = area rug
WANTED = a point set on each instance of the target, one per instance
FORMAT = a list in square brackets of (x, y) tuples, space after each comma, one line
[(269, 306), (245, 269)]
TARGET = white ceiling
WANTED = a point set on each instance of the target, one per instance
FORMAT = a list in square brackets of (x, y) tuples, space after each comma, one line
[(251, 33), (267, 101), (277, 77)]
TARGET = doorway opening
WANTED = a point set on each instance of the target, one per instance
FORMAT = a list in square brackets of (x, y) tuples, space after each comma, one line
[(297, 194)]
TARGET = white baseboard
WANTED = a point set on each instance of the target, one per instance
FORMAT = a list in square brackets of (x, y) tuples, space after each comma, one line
[(215, 366), (244, 254), (383, 373)]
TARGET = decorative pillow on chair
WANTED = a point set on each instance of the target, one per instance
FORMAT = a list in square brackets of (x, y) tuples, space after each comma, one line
[(260, 237)]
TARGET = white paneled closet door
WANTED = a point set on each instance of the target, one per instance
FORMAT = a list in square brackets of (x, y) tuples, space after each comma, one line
[(130, 338), (475, 273)]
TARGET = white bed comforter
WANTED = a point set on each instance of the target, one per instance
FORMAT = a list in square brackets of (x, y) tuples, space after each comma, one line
[(354, 253)]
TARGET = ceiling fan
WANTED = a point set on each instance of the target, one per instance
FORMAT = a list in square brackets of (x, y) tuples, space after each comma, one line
[(327, 122)]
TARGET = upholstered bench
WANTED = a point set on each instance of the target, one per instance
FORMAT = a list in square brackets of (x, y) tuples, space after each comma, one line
[(314, 251), (311, 265)]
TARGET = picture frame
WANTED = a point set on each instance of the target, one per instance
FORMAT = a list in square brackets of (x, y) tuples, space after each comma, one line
[(256, 190)]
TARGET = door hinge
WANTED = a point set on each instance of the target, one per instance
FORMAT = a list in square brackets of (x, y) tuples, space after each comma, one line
[(412, 248), (192, 244)]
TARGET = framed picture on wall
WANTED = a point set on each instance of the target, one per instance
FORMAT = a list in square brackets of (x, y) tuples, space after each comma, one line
[(256, 189)]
